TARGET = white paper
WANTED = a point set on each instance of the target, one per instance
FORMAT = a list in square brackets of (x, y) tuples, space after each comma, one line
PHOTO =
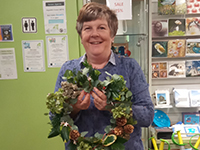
[(57, 50), (54, 17), (123, 8), (181, 98), (195, 98), (8, 69), (33, 56)]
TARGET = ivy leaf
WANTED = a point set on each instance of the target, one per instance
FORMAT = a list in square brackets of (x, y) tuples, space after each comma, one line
[(116, 77), (74, 127), (99, 136), (65, 133), (71, 146), (117, 146), (121, 140), (128, 94), (54, 132), (112, 120), (108, 128), (95, 83), (85, 71), (84, 133), (105, 83), (73, 101)]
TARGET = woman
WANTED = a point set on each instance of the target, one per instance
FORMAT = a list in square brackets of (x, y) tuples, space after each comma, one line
[(97, 26)]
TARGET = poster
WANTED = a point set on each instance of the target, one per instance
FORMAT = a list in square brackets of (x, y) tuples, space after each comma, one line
[(123, 8), (6, 33), (54, 17), (8, 69), (57, 50), (33, 56)]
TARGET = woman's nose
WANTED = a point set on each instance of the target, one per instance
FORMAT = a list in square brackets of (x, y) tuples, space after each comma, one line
[(94, 33)]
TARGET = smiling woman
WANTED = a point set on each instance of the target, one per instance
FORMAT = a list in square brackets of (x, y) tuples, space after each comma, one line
[(97, 26)]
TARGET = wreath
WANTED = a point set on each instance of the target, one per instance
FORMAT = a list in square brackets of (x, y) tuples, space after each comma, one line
[(118, 102)]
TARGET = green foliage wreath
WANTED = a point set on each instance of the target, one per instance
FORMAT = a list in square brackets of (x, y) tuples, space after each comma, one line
[(118, 101)]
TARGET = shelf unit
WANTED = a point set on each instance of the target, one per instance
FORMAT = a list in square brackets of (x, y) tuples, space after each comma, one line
[(174, 113)]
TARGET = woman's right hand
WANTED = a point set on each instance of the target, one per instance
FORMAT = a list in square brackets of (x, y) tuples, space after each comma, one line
[(82, 103)]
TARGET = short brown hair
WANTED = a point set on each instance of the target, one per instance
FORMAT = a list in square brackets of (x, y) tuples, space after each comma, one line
[(92, 11)]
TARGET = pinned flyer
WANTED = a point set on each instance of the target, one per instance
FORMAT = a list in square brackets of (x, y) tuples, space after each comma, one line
[(123, 8)]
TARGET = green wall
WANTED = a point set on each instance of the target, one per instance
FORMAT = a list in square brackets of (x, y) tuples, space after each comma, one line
[(23, 125)]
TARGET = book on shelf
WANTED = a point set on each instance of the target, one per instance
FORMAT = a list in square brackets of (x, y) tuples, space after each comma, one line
[(166, 7), (159, 49), (159, 70), (176, 48), (192, 68), (192, 47), (176, 69), (193, 26), (195, 98), (176, 27), (181, 97), (160, 28), (193, 6), (180, 7)]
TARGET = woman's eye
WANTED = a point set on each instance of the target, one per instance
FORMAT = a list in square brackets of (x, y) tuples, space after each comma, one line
[(102, 28), (87, 28)]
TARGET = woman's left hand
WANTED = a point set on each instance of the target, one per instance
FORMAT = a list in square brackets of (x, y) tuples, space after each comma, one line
[(100, 99)]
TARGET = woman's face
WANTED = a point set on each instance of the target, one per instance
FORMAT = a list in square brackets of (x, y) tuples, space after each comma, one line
[(96, 38)]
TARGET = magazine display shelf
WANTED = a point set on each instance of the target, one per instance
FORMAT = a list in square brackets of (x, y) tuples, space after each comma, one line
[(189, 83)]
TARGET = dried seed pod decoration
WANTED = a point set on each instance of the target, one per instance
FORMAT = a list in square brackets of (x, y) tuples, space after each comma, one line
[(74, 134), (118, 131), (128, 128), (121, 121)]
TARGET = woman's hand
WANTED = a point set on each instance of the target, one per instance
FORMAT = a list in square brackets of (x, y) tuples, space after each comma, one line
[(82, 103), (100, 99)]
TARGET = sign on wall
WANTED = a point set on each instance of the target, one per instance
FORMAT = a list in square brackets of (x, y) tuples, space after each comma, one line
[(54, 17), (57, 50), (123, 8), (6, 33), (29, 25), (33, 56), (8, 67)]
